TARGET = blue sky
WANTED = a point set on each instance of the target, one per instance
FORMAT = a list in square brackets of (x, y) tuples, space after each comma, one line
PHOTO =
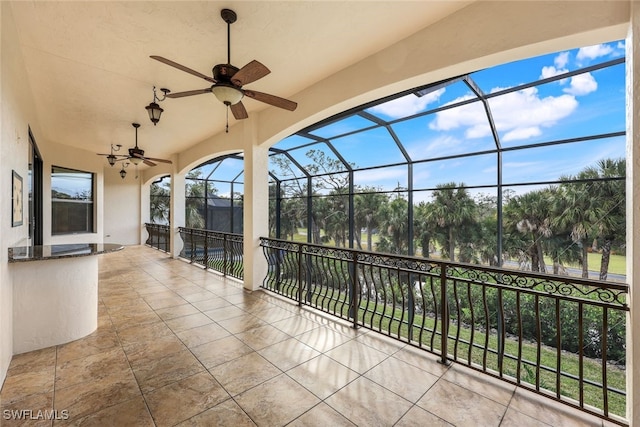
[(582, 105)]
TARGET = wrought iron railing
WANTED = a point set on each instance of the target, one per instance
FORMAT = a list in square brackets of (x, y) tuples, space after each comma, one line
[(218, 251), (158, 236), (559, 336)]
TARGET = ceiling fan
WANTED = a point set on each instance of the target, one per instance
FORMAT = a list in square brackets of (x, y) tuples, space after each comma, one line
[(136, 154), (228, 80)]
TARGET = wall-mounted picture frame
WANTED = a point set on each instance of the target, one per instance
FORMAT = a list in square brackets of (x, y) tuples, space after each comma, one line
[(16, 200)]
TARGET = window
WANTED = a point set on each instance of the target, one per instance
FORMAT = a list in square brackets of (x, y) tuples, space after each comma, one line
[(71, 201)]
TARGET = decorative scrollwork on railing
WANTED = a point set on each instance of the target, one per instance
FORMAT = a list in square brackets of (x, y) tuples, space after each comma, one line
[(569, 287), (328, 252)]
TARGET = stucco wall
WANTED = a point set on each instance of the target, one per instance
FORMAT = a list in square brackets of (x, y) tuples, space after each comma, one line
[(17, 115)]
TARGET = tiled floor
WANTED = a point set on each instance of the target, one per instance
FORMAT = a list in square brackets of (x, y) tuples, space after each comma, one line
[(180, 346)]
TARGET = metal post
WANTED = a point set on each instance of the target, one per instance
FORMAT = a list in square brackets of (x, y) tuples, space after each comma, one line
[(444, 314), (205, 258), (300, 275)]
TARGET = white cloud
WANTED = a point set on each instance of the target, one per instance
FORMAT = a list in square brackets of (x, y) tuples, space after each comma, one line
[(551, 71), (522, 133), (582, 84), (561, 60), (517, 115), (593, 52), (407, 105), (435, 147)]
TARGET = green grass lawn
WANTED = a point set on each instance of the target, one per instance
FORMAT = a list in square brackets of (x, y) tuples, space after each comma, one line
[(617, 263)]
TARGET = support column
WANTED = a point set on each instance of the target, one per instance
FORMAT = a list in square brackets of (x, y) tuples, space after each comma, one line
[(256, 207), (177, 215), (633, 214)]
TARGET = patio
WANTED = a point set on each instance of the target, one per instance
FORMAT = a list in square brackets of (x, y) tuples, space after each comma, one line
[(177, 345)]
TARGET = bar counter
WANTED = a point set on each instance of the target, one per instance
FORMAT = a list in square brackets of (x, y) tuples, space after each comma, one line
[(55, 293)]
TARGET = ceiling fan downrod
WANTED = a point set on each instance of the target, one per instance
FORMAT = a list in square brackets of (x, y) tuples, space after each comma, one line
[(229, 16)]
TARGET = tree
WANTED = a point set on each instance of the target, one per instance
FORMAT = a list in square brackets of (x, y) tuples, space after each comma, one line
[(159, 201), (609, 195), (394, 227), (366, 213), (453, 210), (530, 214)]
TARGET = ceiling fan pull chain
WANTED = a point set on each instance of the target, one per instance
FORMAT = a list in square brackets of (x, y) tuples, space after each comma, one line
[(227, 127)]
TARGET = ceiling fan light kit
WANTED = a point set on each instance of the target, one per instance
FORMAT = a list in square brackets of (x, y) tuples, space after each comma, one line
[(228, 80)]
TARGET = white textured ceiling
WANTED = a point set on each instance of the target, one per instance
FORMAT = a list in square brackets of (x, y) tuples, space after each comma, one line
[(91, 76)]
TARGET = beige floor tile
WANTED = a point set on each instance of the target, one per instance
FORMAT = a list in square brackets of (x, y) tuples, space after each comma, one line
[(244, 373), (202, 334), (220, 351), (492, 388), (182, 400), (140, 333), (164, 302), (380, 342), (97, 342), (191, 321), (401, 378), (227, 413), (357, 356), (176, 311), (460, 406), (126, 320), (323, 339), (145, 352), (91, 368), (422, 359), (289, 353), (160, 372), (262, 336), (366, 403), (549, 411), (418, 417), (92, 396), (295, 325), (132, 412), (225, 313), (211, 304), (514, 418), (322, 375), (199, 295), (241, 323), (270, 403), (321, 415), (19, 386), (20, 412), (273, 314), (37, 360)]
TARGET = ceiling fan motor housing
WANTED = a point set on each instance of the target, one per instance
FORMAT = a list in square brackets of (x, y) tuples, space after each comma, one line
[(224, 72)]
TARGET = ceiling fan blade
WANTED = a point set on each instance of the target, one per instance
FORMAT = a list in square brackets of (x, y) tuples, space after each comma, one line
[(276, 101), (148, 162), (251, 72), (189, 93), (183, 68), (158, 160), (239, 112)]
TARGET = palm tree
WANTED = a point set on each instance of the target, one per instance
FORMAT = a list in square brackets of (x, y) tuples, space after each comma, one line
[(609, 195), (578, 212), (159, 202), (453, 210), (394, 226), (366, 213), (530, 214)]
